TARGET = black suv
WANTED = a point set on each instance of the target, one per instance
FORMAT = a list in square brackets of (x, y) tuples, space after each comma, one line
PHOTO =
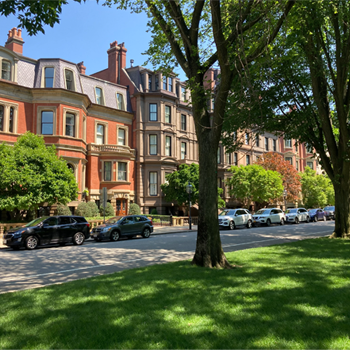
[(130, 226), (49, 230)]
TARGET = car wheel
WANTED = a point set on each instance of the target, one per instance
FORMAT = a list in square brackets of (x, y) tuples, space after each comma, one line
[(146, 233), (308, 219), (32, 242), (268, 222), (315, 218), (78, 238), (249, 224), (114, 236), (232, 225), (296, 220), (282, 222)]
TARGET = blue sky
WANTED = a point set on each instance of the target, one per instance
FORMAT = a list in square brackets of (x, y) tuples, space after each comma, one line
[(84, 34)]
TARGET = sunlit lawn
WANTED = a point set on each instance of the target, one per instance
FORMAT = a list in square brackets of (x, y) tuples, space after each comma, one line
[(285, 296)]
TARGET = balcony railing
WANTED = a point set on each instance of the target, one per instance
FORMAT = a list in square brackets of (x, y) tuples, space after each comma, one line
[(111, 148)]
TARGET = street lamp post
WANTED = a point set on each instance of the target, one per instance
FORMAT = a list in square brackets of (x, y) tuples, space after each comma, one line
[(285, 199), (189, 191)]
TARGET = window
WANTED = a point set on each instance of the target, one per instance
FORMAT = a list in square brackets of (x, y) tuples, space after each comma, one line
[(100, 134), (2, 118), (120, 102), (234, 136), (310, 165), (246, 140), (297, 165), (290, 160), (296, 147), (47, 123), (157, 82), (11, 120), (236, 159), (228, 158), (153, 183), (183, 150), (6, 70), (257, 141), (107, 173), (153, 144), (183, 122), (167, 145), (121, 171), (121, 137), (274, 145), (170, 84), (69, 80), (149, 82), (219, 155), (266, 143), (164, 82), (49, 74), (99, 96), (219, 183), (183, 93), (153, 114), (288, 143), (167, 114), (247, 159), (70, 124), (309, 148)]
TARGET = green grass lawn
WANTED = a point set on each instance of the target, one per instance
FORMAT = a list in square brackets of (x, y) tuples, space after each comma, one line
[(285, 296)]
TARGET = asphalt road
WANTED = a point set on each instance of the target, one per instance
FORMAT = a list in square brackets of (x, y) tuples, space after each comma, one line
[(25, 269)]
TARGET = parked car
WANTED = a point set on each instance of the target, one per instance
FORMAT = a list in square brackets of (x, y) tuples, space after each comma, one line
[(317, 214), (119, 226), (297, 215), (231, 218), (49, 230), (330, 212), (269, 216)]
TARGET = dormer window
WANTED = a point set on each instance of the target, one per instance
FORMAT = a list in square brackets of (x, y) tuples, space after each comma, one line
[(170, 84), (120, 102), (6, 70), (149, 82), (99, 96), (69, 80), (49, 75), (164, 82), (183, 93)]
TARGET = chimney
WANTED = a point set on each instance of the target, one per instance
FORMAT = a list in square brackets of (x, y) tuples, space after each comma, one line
[(116, 61), (81, 67), (14, 41)]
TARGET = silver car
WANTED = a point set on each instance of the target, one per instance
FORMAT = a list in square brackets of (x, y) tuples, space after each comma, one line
[(268, 216), (231, 218), (297, 215)]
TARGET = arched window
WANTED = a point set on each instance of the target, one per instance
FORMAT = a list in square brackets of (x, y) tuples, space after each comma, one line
[(70, 167)]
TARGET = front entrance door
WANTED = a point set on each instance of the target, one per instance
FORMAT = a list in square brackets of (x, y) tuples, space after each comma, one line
[(120, 207)]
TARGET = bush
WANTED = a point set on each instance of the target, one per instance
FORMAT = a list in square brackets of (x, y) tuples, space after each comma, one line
[(109, 210), (134, 209), (94, 208), (63, 210), (154, 212), (83, 210)]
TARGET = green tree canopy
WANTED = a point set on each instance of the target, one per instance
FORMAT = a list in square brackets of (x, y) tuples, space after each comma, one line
[(317, 190), (32, 174), (252, 183)]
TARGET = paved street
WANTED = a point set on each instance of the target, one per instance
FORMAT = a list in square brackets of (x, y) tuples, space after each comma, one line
[(50, 265)]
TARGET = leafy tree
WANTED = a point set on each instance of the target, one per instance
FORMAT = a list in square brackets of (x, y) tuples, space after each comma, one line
[(177, 181), (94, 208), (302, 87), (317, 190), (290, 177), (198, 36), (252, 183), (32, 174), (134, 209)]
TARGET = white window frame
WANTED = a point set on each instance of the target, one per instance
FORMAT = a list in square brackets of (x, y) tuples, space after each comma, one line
[(64, 120), (126, 171), (153, 145), (288, 143), (126, 131), (73, 79), (102, 96), (105, 132), (120, 104), (153, 186), (44, 109)]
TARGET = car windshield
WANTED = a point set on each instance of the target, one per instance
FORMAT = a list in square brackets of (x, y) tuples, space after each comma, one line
[(329, 208), (227, 212), (114, 220), (35, 222), (263, 212), (291, 211), (311, 211)]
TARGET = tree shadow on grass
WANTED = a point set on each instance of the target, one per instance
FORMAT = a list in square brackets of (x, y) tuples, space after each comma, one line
[(286, 296)]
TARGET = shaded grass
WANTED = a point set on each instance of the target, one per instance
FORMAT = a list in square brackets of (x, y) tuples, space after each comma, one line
[(285, 296)]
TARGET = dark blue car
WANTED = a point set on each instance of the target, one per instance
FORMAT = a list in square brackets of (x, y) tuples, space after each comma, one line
[(317, 215)]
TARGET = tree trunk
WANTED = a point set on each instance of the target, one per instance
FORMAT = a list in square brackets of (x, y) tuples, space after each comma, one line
[(342, 208)]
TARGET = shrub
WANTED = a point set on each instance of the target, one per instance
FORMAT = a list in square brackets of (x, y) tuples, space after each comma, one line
[(83, 210), (134, 209), (154, 212), (63, 210), (109, 210), (94, 208)]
